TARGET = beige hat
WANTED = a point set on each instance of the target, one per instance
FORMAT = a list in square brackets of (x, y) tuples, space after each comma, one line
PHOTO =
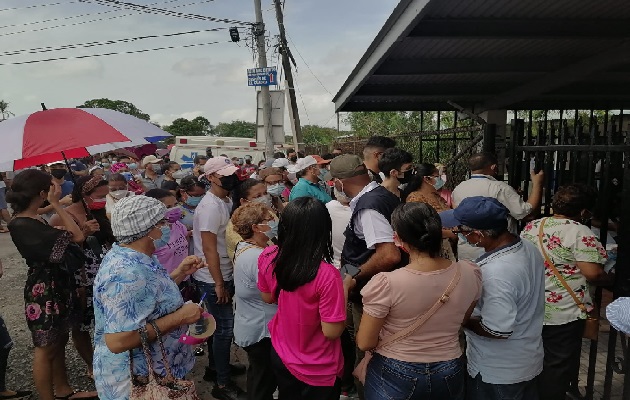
[(150, 160)]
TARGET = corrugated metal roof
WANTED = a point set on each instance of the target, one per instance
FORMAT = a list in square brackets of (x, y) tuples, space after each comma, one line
[(577, 42)]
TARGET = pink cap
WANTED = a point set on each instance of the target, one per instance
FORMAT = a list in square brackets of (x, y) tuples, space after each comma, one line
[(219, 165)]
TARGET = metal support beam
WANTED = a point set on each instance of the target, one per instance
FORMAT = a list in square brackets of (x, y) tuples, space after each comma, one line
[(522, 28), (472, 65)]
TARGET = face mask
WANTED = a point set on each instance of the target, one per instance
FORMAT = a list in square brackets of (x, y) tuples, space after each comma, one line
[(97, 204), (128, 176), (163, 240), (273, 232), (193, 201), (322, 174), (119, 194), (443, 176), (462, 238), (173, 215), (439, 183), (266, 200), (341, 196), (204, 181), (58, 173), (229, 182), (180, 174), (276, 190), (406, 176), (105, 165)]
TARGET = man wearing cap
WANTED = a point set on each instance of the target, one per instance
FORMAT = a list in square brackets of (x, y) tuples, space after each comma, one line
[(150, 178), (369, 243), (311, 170), (504, 335), (215, 282), (483, 182)]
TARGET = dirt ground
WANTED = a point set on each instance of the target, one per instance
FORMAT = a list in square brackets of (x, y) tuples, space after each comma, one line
[(19, 375)]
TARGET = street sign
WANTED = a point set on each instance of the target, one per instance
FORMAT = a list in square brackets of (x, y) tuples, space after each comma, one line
[(262, 76)]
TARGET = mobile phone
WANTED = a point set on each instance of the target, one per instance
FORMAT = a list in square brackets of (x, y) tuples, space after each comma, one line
[(350, 269)]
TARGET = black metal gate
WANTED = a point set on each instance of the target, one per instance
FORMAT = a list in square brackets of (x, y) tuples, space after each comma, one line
[(591, 147)]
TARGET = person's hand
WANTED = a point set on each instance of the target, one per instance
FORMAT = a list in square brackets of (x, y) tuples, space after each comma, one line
[(223, 296), (54, 193), (349, 282), (66, 201), (189, 313), (190, 265), (538, 178), (91, 227)]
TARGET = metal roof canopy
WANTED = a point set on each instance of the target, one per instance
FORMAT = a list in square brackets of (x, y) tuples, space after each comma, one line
[(495, 54)]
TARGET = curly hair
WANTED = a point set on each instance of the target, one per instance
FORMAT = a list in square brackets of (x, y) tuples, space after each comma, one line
[(570, 200), (246, 216)]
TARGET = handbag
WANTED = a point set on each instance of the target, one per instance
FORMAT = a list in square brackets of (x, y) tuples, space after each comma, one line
[(361, 369), (591, 326), (154, 387)]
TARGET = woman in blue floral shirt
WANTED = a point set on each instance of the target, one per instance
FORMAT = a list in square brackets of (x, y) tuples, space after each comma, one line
[(133, 289)]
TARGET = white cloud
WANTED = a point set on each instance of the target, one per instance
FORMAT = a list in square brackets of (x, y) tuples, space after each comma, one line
[(61, 69), (247, 114), (164, 119)]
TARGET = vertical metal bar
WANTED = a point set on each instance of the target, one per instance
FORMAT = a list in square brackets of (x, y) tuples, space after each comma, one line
[(548, 164), (577, 132), (437, 137), (610, 364), (592, 128), (420, 137)]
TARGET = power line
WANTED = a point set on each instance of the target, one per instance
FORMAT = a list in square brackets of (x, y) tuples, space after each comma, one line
[(37, 5), (92, 20), (82, 15), (100, 43), (163, 11), (113, 53), (307, 66)]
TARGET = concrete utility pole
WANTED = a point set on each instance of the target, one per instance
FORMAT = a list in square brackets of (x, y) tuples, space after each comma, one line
[(294, 114), (259, 33)]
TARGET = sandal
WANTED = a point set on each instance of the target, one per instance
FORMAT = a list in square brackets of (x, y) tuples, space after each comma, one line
[(91, 396), (18, 395)]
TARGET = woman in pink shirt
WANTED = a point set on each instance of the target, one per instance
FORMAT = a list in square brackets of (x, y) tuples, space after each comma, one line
[(427, 363), (311, 295)]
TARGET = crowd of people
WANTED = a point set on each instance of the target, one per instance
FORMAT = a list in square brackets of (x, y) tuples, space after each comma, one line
[(314, 265)]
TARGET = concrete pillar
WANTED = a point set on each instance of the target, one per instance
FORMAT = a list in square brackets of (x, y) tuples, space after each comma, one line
[(497, 126)]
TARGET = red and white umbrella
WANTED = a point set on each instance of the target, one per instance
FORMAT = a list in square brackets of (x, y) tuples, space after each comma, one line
[(48, 136)]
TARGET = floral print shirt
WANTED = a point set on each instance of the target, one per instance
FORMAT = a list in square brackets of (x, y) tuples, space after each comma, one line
[(130, 290), (566, 242)]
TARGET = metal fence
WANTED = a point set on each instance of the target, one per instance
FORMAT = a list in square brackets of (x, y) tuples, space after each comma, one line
[(591, 147)]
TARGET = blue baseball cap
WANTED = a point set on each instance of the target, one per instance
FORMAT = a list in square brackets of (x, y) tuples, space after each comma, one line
[(477, 213)]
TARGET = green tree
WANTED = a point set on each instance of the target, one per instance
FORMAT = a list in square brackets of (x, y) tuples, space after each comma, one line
[(4, 110), (198, 126), (315, 134), (117, 105), (236, 128), (387, 123)]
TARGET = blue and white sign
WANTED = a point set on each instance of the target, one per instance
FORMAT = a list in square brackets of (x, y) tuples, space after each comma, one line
[(262, 76)]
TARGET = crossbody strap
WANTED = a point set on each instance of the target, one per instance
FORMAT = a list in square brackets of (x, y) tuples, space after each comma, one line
[(388, 340), (549, 264), (243, 250)]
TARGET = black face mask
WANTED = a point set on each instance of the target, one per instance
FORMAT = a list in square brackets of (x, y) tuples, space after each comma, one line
[(229, 182), (406, 177), (293, 159), (58, 173)]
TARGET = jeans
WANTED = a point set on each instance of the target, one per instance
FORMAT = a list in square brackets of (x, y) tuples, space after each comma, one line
[(563, 344), (261, 381), (390, 379), (291, 388), (222, 339), (479, 390)]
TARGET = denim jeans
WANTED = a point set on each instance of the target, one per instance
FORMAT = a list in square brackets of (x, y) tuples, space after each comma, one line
[(477, 389), (222, 339), (390, 379)]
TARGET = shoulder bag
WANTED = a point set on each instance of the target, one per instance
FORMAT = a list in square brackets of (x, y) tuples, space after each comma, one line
[(591, 327), (361, 369), (154, 387)]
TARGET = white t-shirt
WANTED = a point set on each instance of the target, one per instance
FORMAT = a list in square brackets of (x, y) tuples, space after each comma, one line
[(340, 216), (371, 225), (212, 215)]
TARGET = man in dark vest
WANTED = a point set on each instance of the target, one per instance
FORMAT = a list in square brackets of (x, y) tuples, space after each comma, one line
[(369, 241)]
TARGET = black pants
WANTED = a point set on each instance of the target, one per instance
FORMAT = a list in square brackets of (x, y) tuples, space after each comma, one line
[(291, 388), (349, 358), (563, 344), (5, 347), (261, 381)]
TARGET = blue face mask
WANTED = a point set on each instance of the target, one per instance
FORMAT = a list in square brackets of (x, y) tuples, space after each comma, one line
[(133, 166), (322, 174), (462, 238), (439, 183), (163, 240), (276, 190), (273, 232), (193, 201)]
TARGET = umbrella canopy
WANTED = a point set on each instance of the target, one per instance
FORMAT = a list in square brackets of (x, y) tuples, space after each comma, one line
[(43, 136)]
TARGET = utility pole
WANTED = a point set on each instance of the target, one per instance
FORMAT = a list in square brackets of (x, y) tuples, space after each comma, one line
[(294, 114), (259, 33)]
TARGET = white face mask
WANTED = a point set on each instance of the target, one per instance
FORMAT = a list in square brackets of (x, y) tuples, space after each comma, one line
[(341, 196), (119, 194), (266, 200)]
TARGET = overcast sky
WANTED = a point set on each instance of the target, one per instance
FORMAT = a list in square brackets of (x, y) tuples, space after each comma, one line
[(210, 80)]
